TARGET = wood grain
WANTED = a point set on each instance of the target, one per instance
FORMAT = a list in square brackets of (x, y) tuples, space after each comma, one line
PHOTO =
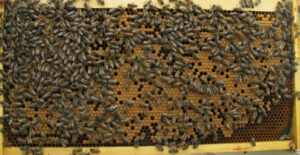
[(1, 84), (265, 5), (296, 113), (151, 150)]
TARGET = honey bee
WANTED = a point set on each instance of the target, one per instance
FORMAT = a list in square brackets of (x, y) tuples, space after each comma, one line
[(253, 141), (94, 150)]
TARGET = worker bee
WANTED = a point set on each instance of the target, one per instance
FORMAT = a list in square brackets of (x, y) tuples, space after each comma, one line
[(252, 140), (77, 150), (173, 150), (131, 5), (159, 147), (94, 150), (136, 142), (158, 101), (137, 120)]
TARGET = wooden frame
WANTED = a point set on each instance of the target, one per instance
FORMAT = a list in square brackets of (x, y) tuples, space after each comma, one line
[(266, 5), (1, 85), (296, 113), (151, 150)]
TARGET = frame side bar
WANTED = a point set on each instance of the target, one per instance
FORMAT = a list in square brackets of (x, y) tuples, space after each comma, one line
[(296, 111), (1, 84)]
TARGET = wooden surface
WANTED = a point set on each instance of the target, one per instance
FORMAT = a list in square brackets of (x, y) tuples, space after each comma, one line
[(151, 150), (296, 114), (1, 86), (266, 5), (296, 21)]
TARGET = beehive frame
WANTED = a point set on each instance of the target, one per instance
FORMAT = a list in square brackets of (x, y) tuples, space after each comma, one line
[(266, 5)]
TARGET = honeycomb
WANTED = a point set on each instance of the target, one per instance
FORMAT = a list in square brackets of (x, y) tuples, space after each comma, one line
[(269, 129)]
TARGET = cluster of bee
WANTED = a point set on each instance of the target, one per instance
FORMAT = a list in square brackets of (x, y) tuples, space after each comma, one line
[(60, 69), (80, 152), (249, 3), (38, 151), (31, 150)]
